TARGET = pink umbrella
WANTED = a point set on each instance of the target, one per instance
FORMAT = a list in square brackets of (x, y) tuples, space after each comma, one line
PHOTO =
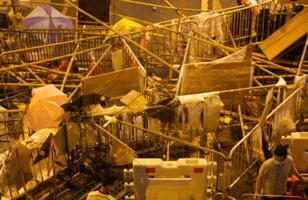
[(45, 109)]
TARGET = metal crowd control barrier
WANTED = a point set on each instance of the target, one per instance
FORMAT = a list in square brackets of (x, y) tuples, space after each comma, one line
[(10, 126), (241, 156)]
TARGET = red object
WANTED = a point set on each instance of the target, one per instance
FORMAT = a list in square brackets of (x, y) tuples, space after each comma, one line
[(297, 186), (256, 9), (198, 170), (150, 170), (97, 71)]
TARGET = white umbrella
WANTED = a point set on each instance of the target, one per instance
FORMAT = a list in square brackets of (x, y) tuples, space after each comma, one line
[(45, 109)]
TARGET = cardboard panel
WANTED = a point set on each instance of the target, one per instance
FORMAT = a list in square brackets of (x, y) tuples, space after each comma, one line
[(116, 83)]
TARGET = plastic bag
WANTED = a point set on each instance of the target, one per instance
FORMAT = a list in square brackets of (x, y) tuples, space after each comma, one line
[(125, 26)]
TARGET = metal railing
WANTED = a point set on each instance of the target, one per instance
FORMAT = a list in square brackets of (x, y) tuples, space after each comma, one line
[(242, 161)]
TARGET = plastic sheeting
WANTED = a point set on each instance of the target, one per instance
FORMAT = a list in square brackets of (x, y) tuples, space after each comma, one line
[(212, 27), (283, 123), (121, 155), (202, 116), (125, 26), (257, 148), (117, 59), (31, 143)]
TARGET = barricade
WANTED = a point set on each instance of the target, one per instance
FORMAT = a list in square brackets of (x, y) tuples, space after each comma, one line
[(297, 142), (185, 178)]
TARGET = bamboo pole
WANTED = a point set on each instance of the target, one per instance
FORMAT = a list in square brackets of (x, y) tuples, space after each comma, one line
[(73, 75), (36, 76), (17, 77), (45, 46), (110, 134), (178, 27), (121, 35), (226, 24), (255, 56), (77, 42), (52, 59), (303, 57), (175, 8), (43, 2), (12, 111), (172, 138), (243, 132), (231, 113), (88, 74), (172, 6), (33, 85)]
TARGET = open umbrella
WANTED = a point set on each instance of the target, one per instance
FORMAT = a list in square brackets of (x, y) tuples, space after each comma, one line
[(45, 109), (47, 17)]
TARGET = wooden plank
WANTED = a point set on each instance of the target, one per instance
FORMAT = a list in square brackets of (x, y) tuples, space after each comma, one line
[(286, 35)]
